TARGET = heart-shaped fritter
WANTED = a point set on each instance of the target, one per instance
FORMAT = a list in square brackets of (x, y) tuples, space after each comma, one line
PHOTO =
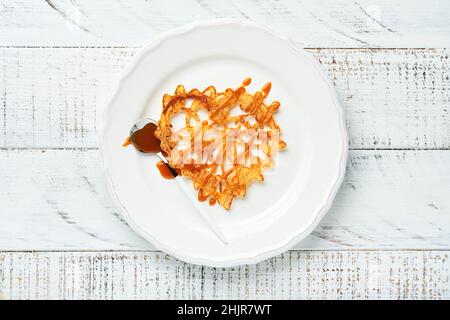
[(224, 153)]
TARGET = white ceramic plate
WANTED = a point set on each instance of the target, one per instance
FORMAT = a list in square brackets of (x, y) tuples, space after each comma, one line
[(276, 214)]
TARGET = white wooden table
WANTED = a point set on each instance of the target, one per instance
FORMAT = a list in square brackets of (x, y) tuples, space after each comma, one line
[(388, 233)]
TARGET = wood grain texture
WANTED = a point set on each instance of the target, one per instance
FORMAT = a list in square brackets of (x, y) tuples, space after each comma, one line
[(57, 199), (293, 275), (59, 60), (361, 23), (393, 99)]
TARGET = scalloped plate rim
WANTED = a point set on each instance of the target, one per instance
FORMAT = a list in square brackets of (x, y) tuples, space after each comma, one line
[(153, 44)]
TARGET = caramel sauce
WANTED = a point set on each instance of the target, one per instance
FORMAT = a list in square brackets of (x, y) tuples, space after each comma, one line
[(127, 142), (246, 81), (145, 141), (165, 170), (266, 89), (201, 197)]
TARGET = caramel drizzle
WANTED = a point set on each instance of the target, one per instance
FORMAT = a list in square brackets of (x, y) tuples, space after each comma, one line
[(127, 142)]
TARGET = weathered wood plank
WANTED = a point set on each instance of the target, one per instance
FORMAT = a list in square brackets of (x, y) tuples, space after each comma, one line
[(311, 23), (49, 98), (57, 199), (293, 275)]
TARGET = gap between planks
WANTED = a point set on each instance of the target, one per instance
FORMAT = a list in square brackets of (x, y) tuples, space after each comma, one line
[(142, 251), (139, 47), (97, 148)]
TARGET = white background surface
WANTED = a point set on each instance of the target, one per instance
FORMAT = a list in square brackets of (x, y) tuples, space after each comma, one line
[(388, 233)]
